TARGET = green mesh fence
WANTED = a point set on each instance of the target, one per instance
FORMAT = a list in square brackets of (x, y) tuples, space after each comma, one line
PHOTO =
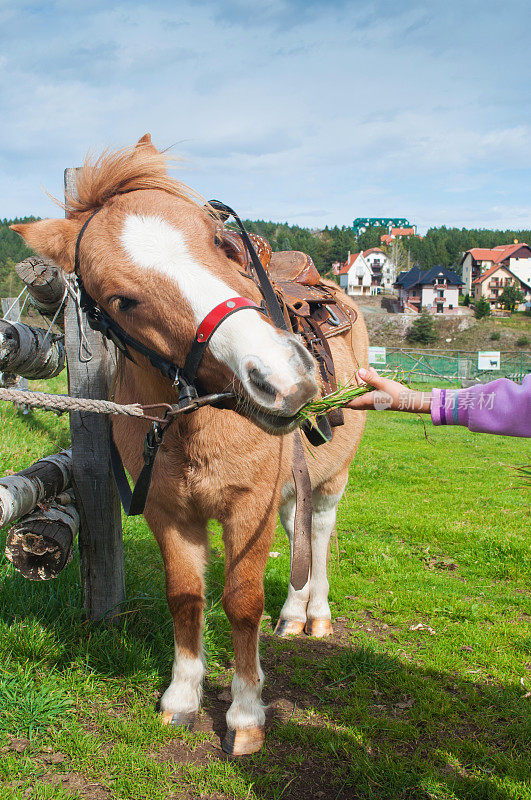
[(456, 366)]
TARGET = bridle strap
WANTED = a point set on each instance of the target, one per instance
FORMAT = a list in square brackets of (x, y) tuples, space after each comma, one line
[(273, 306), (206, 330)]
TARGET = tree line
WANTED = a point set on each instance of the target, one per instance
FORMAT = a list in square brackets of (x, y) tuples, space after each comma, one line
[(440, 246), (12, 250)]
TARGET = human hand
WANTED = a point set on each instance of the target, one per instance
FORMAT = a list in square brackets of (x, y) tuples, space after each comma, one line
[(389, 394)]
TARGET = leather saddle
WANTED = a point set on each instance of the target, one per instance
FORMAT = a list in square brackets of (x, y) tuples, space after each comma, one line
[(311, 307)]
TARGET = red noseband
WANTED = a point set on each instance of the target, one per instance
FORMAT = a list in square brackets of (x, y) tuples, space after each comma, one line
[(221, 312)]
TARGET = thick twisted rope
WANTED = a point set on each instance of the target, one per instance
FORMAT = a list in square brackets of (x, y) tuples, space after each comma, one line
[(62, 402)]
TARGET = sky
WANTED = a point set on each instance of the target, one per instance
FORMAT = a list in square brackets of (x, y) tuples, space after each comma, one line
[(304, 111)]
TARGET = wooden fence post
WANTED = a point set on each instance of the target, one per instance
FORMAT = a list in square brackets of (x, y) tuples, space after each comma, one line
[(100, 532)]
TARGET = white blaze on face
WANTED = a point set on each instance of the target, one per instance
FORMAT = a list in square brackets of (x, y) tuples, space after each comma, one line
[(156, 246)]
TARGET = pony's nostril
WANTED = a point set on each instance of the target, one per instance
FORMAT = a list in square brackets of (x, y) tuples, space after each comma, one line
[(260, 383)]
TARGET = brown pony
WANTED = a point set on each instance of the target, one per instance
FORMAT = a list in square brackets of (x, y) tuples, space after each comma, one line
[(153, 260)]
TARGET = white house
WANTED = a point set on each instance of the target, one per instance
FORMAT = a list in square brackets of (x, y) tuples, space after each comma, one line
[(436, 289), (355, 275), (383, 269), (515, 257)]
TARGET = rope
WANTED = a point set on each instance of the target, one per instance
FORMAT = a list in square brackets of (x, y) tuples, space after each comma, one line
[(62, 402), (50, 326), (84, 353), (13, 304)]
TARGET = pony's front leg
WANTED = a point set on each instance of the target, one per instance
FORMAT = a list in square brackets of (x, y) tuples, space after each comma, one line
[(184, 554), (248, 537)]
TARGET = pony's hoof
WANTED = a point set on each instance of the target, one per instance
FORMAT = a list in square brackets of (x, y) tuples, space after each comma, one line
[(243, 741), (288, 627), (318, 628), (179, 719)]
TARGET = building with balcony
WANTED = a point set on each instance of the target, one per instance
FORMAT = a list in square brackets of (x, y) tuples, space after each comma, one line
[(383, 269), (516, 257), (490, 286), (435, 289), (355, 275)]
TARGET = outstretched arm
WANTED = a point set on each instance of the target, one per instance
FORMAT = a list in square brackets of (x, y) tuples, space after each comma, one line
[(501, 406)]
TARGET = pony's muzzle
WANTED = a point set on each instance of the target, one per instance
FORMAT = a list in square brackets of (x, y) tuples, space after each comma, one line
[(285, 388)]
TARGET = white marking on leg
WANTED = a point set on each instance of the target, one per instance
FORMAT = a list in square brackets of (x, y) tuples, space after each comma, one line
[(155, 245), (184, 692), (247, 709), (323, 520), (295, 606)]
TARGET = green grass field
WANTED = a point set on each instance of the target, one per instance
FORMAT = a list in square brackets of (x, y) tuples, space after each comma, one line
[(421, 693)]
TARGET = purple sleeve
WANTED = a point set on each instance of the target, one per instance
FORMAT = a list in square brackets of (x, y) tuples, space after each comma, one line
[(501, 407)]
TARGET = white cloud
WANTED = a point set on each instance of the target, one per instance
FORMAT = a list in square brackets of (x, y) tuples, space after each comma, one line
[(322, 111)]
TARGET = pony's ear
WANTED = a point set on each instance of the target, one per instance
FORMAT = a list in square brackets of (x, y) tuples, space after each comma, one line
[(145, 142), (53, 238)]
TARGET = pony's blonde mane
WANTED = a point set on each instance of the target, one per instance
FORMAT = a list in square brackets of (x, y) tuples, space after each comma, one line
[(117, 172)]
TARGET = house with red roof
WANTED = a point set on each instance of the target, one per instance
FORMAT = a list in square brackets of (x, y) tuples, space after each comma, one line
[(397, 233), (515, 257), (355, 275), (490, 285), (366, 273)]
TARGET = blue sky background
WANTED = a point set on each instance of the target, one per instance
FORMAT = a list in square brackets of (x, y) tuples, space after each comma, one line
[(307, 111)]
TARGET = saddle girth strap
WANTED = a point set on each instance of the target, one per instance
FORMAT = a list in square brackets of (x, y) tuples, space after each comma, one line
[(302, 528)]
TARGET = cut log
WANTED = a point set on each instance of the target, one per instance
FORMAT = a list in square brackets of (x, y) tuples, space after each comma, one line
[(46, 284), (30, 352), (20, 493), (11, 313), (40, 545)]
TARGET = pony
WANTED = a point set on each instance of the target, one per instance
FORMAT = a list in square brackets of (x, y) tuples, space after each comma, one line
[(155, 260)]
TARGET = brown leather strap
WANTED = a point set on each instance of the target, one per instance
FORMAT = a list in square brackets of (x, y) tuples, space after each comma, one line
[(302, 529)]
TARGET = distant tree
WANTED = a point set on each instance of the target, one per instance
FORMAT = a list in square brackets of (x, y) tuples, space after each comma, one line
[(466, 299), (422, 330), (511, 297), (482, 309), (372, 237)]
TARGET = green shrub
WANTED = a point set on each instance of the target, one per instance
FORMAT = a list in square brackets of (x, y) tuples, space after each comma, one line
[(495, 336), (422, 330), (482, 309), (522, 341)]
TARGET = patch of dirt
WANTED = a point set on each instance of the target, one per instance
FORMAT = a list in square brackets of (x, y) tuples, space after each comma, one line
[(435, 562), (44, 761)]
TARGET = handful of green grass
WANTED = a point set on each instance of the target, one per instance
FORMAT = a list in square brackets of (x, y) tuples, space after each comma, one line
[(337, 399), (342, 395)]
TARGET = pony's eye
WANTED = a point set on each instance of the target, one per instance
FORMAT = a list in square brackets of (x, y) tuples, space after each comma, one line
[(126, 303), (217, 241)]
